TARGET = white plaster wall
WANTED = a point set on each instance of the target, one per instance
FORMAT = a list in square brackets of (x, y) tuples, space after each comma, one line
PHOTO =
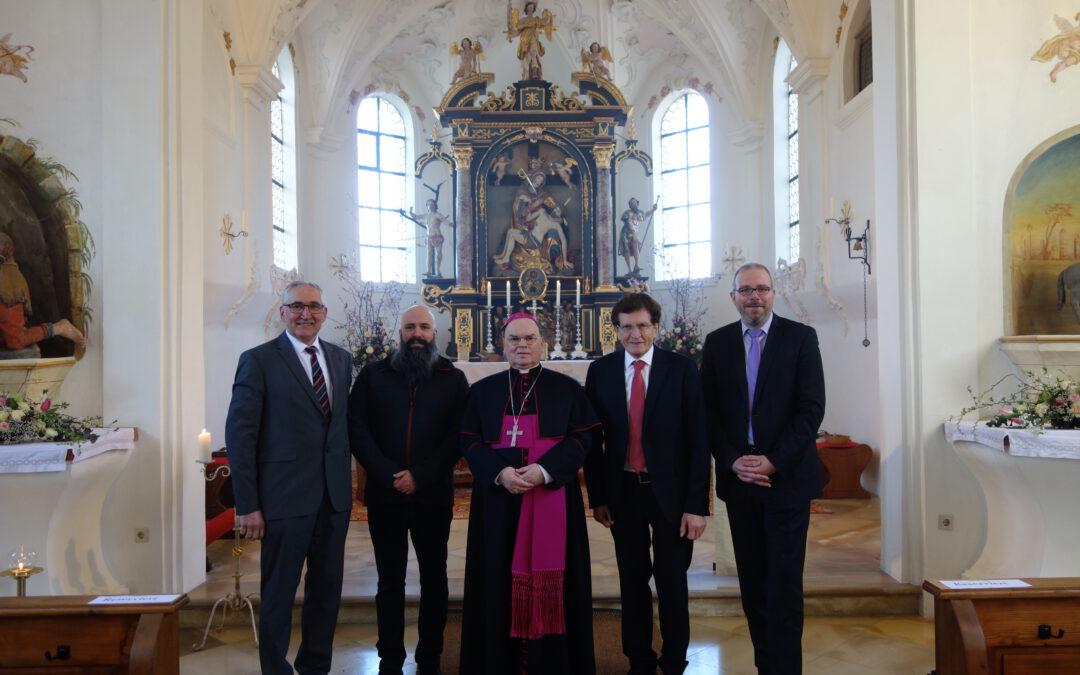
[(982, 105)]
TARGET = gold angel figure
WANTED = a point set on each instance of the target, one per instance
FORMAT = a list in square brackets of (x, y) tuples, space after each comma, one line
[(593, 60), (471, 53), (528, 28), (1065, 47), (14, 58)]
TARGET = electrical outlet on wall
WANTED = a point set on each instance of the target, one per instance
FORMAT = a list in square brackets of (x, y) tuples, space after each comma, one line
[(142, 535), (945, 521)]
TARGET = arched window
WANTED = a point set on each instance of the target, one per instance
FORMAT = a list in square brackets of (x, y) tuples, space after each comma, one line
[(786, 156), (684, 225), (387, 244), (283, 165)]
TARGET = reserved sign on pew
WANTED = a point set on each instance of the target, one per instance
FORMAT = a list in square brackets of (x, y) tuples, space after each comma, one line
[(133, 599)]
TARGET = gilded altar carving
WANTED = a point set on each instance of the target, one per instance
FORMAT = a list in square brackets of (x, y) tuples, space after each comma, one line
[(603, 152), (607, 331), (463, 333), (435, 297), (462, 156)]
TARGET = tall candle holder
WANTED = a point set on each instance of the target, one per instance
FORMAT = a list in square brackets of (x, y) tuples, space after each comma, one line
[(558, 352), (579, 349), (23, 566), (235, 600), (490, 346)]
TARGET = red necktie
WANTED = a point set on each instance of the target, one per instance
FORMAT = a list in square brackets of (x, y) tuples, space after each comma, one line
[(635, 453)]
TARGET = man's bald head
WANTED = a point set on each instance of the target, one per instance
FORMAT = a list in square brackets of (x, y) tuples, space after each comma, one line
[(417, 327)]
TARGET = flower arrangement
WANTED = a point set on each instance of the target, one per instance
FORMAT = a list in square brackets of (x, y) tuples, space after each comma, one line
[(684, 337), (366, 306), (24, 420), (1042, 401)]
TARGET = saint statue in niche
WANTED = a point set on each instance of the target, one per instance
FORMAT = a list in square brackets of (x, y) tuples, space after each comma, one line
[(527, 29), (432, 222), (593, 60), (630, 237), (470, 53), (17, 340), (537, 233)]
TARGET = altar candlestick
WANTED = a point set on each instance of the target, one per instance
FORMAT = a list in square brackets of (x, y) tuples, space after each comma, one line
[(508, 297), (577, 293), (558, 294), (489, 293), (204, 443)]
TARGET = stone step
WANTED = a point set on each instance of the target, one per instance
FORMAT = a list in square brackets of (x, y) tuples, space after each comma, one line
[(893, 599)]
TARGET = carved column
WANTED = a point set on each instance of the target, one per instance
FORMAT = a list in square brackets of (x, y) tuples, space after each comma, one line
[(604, 226), (462, 160)]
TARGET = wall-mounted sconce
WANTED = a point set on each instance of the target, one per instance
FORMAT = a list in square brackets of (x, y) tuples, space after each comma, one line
[(858, 248)]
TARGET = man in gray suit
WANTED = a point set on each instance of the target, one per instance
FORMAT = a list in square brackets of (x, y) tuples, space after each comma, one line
[(288, 444)]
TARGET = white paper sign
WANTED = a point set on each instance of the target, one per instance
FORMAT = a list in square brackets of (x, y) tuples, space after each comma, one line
[(133, 599), (976, 584)]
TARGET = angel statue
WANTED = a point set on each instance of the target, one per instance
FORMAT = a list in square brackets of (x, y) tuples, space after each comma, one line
[(470, 54), (593, 60), (564, 168), (1065, 47), (527, 29)]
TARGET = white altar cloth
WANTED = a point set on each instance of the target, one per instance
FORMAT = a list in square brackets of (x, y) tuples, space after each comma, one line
[(42, 457), (478, 370), (1047, 444)]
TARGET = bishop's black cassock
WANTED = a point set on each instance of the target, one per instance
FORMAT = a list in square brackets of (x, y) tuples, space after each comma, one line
[(563, 416)]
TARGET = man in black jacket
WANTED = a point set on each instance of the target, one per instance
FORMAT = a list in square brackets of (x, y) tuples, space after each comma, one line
[(765, 394), (648, 478), (404, 415)]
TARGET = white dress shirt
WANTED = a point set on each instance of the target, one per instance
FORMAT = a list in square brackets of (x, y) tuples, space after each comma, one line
[(305, 361), (628, 372)]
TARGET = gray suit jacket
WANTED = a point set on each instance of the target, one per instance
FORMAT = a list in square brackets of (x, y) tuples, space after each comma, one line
[(284, 453)]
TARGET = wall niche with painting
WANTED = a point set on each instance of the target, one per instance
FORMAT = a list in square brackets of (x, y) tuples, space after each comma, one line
[(45, 249), (1042, 240)]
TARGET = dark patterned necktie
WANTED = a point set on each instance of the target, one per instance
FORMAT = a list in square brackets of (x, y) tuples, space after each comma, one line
[(318, 381)]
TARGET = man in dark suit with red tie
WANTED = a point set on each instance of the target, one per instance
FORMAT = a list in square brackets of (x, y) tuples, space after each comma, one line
[(765, 395), (648, 472), (288, 444)]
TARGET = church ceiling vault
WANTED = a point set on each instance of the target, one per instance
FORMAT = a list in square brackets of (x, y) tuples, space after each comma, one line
[(349, 42)]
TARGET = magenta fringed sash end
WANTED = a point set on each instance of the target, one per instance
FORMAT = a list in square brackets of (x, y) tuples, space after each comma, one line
[(536, 605)]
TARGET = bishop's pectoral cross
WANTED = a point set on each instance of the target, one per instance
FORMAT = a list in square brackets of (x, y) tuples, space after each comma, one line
[(513, 434)]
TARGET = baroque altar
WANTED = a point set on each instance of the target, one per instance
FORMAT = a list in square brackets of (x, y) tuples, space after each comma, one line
[(533, 182)]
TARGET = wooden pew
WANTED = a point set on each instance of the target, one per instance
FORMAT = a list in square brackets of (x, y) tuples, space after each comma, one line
[(65, 634), (1016, 631)]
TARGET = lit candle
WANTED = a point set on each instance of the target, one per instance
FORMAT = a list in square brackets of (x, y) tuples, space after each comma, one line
[(508, 296), (489, 293), (204, 443), (558, 294), (577, 293)]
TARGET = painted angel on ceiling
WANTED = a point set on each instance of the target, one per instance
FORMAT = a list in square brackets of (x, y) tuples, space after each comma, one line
[(470, 53), (1065, 47), (527, 27), (593, 60)]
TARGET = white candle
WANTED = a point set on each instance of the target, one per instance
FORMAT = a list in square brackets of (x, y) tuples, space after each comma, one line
[(204, 443), (577, 293), (558, 294), (489, 293), (508, 296)]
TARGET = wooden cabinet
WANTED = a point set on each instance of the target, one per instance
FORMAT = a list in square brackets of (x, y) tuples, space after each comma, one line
[(65, 634), (1023, 631)]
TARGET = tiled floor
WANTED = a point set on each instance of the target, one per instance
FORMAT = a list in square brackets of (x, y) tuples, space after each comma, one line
[(720, 646), (842, 552)]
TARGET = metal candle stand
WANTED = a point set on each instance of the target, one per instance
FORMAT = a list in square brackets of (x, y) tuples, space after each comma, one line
[(579, 349), (235, 600), (558, 352)]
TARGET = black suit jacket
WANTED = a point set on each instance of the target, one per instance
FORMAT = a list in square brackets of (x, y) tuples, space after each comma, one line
[(282, 450), (673, 434), (789, 404)]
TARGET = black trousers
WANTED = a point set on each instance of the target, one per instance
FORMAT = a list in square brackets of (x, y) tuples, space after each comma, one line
[(671, 556), (770, 551), (319, 539), (390, 526)]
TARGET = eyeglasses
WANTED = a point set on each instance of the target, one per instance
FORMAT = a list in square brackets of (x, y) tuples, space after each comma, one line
[(747, 291), (529, 340), (297, 308), (628, 329)]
